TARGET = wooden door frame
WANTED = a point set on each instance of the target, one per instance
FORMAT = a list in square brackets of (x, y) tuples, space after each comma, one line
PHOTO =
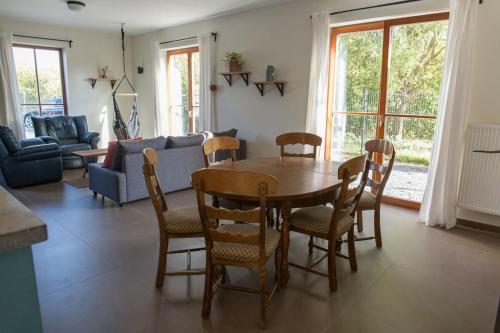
[(189, 51), (385, 26)]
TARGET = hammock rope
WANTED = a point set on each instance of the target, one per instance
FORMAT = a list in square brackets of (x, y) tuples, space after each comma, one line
[(132, 128)]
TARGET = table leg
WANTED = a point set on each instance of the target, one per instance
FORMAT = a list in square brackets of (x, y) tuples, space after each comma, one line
[(286, 210), (86, 169)]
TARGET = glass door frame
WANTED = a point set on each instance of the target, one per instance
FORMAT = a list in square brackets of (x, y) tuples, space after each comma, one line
[(63, 79), (189, 51), (385, 26)]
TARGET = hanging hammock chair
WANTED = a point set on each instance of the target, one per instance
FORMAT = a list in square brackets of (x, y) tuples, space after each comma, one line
[(130, 129)]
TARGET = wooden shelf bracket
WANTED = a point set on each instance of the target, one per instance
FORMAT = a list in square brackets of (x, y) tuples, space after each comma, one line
[(279, 84), (229, 77)]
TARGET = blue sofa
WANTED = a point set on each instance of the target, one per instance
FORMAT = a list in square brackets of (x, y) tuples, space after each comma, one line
[(28, 162)]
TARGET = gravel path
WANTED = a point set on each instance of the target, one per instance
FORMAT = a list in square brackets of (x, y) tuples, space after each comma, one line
[(407, 181)]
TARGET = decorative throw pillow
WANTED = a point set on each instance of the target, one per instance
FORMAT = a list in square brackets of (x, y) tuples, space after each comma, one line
[(108, 159), (231, 132), (10, 141), (184, 141)]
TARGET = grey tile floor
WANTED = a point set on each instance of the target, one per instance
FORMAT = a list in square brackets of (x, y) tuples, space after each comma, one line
[(96, 274)]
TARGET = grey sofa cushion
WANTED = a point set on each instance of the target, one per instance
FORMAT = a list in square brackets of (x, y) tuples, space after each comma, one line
[(127, 147), (185, 141)]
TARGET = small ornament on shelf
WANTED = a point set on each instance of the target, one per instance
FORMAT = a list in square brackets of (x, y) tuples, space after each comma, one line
[(104, 72), (233, 61), (270, 73)]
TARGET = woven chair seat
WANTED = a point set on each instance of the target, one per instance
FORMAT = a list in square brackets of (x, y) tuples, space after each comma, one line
[(236, 252), (318, 219), (367, 201), (183, 220)]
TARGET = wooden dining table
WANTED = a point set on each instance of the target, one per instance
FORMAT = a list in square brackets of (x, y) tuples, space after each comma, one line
[(303, 182)]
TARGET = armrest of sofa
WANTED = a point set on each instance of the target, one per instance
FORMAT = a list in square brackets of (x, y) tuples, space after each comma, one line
[(241, 154), (37, 152), (91, 138), (31, 142), (49, 139), (107, 182)]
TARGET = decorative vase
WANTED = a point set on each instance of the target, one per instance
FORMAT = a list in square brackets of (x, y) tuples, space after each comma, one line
[(234, 66), (270, 73)]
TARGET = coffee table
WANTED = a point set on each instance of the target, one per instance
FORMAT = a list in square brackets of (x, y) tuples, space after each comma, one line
[(86, 155)]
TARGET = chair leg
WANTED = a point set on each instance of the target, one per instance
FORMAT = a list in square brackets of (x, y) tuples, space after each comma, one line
[(263, 297), (352, 250), (209, 287), (278, 210), (311, 245), (376, 221), (277, 265), (332, 269), (162, 263), (359, 220)]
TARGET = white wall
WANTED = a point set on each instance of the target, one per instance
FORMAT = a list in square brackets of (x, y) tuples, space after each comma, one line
[(279, 36), (90, 51)]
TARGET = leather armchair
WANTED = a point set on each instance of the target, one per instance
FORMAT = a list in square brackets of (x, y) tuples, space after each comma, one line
[(69, 133), (28, 162)]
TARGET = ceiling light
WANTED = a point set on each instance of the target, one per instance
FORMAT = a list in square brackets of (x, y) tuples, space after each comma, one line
[(75, 5)]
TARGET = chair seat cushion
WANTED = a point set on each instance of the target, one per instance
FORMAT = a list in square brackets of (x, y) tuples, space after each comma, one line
[(183, 220), (236, 252), (318, 219), (367, 201), (68, 149)]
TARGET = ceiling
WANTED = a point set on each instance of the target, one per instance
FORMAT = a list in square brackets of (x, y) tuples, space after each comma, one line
[(139, 15)]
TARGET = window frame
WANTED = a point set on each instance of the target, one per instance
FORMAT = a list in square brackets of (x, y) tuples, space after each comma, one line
[(189, 51), (385, 26), (63, 78)]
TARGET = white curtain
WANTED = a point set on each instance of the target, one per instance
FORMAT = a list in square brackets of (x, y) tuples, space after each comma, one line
[(10, 113), (318, 78), (207, 76), (159, 71), (439, 206)]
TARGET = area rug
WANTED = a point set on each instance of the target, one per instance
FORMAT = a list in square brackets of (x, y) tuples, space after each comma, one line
[(77, 182)]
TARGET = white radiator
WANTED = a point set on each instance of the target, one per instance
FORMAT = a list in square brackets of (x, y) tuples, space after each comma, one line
[(480, 180)]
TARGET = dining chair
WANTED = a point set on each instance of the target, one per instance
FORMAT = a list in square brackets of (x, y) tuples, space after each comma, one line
[(293, 138), (371, 200), (182, 222), (248, 244), (218, 143), (332, 223)]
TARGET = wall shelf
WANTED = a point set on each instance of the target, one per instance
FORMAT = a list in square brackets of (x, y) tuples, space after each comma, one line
[(93, 81), (279, 84), (229, 76)]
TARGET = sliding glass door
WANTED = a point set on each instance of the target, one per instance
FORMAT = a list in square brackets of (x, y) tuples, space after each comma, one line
[(384, 83), (183, 75)]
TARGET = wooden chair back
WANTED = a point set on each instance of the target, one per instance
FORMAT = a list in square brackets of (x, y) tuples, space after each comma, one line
[(153, 185), (293, 138), (218, 182), (380, 173), (349, 195), (218, 143)]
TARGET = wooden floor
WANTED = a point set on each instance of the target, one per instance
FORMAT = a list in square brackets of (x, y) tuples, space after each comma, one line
[(96, 274)]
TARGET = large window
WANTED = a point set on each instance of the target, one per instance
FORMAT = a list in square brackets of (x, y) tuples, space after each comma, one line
[(40, 78), (384, 83), (183, 80)]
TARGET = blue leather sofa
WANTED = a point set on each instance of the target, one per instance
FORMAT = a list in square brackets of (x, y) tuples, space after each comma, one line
[(70, 133), (28, 162)]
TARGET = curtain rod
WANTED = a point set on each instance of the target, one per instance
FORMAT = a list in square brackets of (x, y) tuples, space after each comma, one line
[(188, 38), (379, 6), (69, 41)]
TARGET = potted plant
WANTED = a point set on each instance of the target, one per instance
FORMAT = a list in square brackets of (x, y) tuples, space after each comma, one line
[(233, 61)]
